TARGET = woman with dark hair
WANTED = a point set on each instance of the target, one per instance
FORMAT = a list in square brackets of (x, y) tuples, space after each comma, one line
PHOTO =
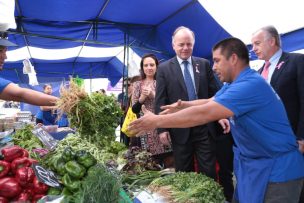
[(144, 94), (46, 115)]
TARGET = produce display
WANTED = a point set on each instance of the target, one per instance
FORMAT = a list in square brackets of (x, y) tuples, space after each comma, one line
[(90, 166)]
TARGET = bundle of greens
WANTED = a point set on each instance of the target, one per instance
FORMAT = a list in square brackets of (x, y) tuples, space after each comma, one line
[(95, 116), (188, 188)]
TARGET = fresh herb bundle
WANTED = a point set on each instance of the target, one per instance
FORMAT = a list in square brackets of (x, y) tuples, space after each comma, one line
[(95, 116), (100, 185), (189, 188)]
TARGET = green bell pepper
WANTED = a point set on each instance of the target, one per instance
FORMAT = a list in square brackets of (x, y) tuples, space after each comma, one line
[(54, 191), (85, 158), (70, 184), (68, 154), (66, 192), (74, 169), (59, 165)]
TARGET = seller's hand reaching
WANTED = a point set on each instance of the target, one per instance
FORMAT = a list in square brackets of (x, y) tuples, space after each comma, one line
[(225, 125), (172, 108), (146, 123)]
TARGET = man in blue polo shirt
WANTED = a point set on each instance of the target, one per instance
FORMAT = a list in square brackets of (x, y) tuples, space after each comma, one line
[(11, 92), (268, 164)]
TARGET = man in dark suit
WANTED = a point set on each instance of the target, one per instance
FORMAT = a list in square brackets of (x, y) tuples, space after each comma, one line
[(171, 86), (285, 74)]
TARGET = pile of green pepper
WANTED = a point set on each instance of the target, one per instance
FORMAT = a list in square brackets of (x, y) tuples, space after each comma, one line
[(71, 167)]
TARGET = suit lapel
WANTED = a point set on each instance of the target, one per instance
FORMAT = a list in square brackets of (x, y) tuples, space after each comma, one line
[(176, 70), (278, 70)]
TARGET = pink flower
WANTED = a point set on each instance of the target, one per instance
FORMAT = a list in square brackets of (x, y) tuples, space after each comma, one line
[(196, 68), (280, 64)]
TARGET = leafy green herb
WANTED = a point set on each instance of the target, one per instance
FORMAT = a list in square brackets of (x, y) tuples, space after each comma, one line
[(191, 187)]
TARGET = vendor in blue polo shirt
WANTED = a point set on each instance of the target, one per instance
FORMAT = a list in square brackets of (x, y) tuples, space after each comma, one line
[(268, 164), (12, 92)]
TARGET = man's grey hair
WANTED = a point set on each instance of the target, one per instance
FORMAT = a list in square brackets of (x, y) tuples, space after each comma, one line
[(271, 31), (183, 28)]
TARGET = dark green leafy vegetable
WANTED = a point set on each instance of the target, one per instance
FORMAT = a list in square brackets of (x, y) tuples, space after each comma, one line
[(100, 185), (27, 140)]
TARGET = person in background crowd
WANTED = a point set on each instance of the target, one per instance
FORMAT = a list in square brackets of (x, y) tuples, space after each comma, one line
[(268, 163), (125, 103), (285, 73), (12, 92), (47, 114), (187, 78), (144, 93), (103, 91)]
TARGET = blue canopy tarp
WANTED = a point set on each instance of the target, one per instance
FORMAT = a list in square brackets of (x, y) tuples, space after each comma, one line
[(110, 30)]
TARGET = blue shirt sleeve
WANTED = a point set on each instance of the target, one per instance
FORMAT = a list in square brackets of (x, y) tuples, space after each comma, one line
[(3, 84), (242, 96)]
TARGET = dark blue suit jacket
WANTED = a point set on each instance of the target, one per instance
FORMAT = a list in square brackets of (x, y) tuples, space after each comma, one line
[(288, 81)]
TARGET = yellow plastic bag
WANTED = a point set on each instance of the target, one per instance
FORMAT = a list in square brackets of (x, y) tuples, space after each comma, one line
[(128, 119)]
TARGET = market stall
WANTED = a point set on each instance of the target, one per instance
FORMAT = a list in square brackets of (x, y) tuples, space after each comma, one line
[(88, 165)]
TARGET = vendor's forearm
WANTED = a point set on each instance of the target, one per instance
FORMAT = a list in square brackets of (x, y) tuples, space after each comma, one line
[(186, 104), (48, 108), (37, 98), (194, 116)]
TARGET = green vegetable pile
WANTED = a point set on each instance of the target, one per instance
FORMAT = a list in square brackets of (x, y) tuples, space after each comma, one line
[(189, 188), (95, 116), (27, 140), (71, 167)]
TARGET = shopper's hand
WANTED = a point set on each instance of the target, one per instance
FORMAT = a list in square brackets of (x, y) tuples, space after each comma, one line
[(301, 146), (164, 138), (172, 108), (225, 125)]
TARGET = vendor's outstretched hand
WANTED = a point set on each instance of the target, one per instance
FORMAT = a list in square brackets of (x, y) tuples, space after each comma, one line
[(225, 125), (172, 108), (143, 124)]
